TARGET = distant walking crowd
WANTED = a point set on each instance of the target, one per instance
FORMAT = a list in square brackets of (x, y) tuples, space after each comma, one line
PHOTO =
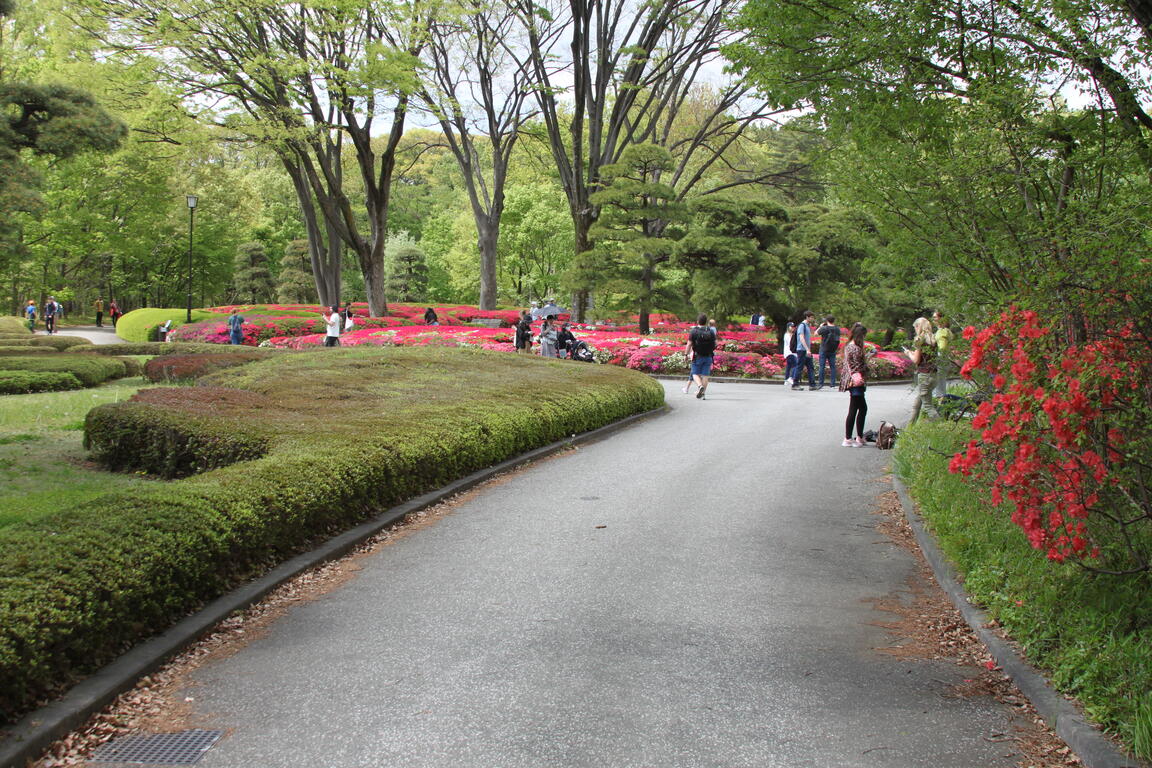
[(808, 347)]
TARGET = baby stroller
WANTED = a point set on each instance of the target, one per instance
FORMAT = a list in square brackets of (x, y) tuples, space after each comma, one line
[(582, 352)]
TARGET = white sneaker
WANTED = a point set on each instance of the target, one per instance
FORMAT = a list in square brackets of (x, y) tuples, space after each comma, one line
[(848, 444), (788, 383), (687, 388)]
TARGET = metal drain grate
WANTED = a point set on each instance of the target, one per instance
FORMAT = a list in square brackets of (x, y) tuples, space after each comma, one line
[(183, 748)]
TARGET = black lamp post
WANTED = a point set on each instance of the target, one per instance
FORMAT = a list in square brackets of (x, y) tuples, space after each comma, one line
[(192, 200)]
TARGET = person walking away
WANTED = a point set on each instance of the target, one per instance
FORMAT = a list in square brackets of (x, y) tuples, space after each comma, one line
[(755, 319), (99, 305), (51, 309), (788, 350), (114, 312), (803, 340), (430, 317), (235, 327), (523, 335), (548, 337), (923, 354), (565, 341), (854, 381), (829, 334), (702, 347), (30, 315), (333, 322), (944, 364)]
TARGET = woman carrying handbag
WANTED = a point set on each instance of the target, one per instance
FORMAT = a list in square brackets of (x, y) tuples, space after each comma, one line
[(855, 382)]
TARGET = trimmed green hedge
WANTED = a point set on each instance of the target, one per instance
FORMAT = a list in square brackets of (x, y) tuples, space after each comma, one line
[(164, 348), (89, 369), (135, 325), (9, 324), (167, 368), (168, 438), (7, 351), (59, 343), (23, 382), (346, 433)]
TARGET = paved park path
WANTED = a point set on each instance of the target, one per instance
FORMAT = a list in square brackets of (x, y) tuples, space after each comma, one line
[(101, 335), (697, 590)]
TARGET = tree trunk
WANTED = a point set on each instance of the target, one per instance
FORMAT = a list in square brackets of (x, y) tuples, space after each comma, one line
[(488, 233), (646, 300)]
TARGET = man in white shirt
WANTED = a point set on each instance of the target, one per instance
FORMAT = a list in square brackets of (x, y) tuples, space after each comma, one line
[(332, 339)]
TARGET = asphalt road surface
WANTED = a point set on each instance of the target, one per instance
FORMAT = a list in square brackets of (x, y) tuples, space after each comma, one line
[(698, 590)]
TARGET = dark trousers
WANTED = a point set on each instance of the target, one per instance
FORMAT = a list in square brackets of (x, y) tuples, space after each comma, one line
[(804, 360), (99, 319), (857, 410), (331, 341), (50, 323), (830, 359)]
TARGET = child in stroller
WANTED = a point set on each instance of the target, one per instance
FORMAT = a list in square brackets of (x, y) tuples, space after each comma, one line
[(581, 351)]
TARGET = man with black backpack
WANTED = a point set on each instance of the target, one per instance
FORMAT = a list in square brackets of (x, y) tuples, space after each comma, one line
[(701, 348), (829, 334)]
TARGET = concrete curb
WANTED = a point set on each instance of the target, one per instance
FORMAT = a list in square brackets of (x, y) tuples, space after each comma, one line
[(27, 739), (774, 382), (1083, 738)]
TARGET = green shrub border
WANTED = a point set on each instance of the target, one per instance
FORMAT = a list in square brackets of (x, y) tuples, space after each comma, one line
[(27, 382), (171, 547), (33, 734), (1083, 630)]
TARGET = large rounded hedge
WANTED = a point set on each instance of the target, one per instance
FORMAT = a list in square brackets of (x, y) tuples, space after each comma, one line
[(135, 325)]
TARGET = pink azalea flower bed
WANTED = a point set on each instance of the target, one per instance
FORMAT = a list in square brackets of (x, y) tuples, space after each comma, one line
[(743, 351)]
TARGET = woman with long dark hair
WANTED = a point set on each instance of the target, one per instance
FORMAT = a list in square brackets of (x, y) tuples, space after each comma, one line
[(855, 381)]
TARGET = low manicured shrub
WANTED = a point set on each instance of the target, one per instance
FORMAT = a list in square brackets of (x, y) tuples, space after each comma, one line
[(90, 370), (23, 382), (174, 434), (9, 324), (338, 435), (186, 367), (61, 343), (9, 351), (160, 348)]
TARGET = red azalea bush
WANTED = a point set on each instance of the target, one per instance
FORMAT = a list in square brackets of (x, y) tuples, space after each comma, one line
[(1065, 439)]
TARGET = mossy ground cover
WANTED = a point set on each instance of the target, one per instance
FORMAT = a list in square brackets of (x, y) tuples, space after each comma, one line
[(296, 448), (1089, 632)]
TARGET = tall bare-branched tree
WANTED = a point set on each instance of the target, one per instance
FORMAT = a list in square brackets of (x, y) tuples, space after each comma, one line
[(308, 80), (478, 93), (629, 70)]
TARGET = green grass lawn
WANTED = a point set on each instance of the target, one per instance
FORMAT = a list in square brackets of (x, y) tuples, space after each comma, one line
[(43, 466)]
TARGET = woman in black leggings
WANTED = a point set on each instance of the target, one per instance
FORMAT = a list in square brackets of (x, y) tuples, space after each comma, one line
[(855, 380)]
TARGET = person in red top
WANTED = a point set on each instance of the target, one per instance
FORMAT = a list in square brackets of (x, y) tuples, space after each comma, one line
[(114, 312)]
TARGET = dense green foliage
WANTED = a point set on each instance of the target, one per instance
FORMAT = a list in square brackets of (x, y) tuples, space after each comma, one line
[(1089, 633), (170, 368), (89, 369), (18, 382), (144, 558)]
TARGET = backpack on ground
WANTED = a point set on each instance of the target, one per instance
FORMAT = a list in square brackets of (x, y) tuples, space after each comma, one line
[(886, 436)]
